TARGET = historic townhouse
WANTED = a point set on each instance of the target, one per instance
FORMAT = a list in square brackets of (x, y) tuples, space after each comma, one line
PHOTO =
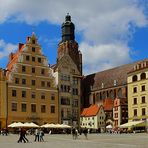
[(93, 118), (3, 100), (32, 93), (138, 92), (68, 73), (120, 112)]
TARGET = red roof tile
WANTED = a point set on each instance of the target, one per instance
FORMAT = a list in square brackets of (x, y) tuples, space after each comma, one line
[(90, 111), (108, 104)]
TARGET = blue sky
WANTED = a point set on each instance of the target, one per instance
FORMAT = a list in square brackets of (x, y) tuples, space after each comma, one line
[(109, 32)]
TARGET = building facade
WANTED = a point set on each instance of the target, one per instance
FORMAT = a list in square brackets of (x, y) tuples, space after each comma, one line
[(68, 73), (138, 92), (32, 92), (3, 100), (93, 117), (120, 112)]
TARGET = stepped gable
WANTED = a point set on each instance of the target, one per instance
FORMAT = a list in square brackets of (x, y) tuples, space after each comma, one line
[(107, 77), (13, 57), (90, 111)]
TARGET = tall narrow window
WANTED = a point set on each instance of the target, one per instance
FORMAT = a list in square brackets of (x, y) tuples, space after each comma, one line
[(33, 108), (24, 81), (33, 49), (23, 94), (16, 80), (143, 111), (134, 89), (135, 112), (24, 107), (23, 69), (143, 99), (143, 76), (135, 101), (14, 106), (33, 82), (52, 109), (13, 93), (143, 88), (33, 69), (43, 108)]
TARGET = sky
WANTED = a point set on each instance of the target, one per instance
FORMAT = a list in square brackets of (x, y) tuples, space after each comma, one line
[(110, 33)]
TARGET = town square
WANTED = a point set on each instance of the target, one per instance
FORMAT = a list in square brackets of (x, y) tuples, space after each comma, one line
[(74, 73)]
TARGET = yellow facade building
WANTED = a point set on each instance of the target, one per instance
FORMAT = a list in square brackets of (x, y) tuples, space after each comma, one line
[(32, 93), (138, 92), (3, 100)]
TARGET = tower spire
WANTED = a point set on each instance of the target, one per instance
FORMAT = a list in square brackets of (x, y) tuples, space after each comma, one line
[(68, 29)]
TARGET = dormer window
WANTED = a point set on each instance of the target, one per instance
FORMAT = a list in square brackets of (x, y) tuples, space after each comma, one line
[(33, 41)]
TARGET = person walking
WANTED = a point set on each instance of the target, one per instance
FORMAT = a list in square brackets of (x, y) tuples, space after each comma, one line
[(41, 135), (36, 135), (85, 131), (74, 133), (22, 136)]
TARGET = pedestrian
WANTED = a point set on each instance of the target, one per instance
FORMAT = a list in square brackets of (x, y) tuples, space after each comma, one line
[(22, 136), (85, 131), (36, 135), (41, 135), (74, 133)]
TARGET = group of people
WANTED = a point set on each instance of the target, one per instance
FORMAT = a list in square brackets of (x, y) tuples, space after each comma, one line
[(38, 135), (75, 132)]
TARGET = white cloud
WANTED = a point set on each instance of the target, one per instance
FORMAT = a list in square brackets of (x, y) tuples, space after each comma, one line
[(6, 48), (104, 56), (106, 25)]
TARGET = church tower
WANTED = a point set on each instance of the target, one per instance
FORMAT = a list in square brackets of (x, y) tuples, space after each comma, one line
[(68, 72), (68, 45)]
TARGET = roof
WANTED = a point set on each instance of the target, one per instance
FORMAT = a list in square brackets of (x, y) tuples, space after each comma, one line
[(90, 111), (108, 104), (108, 77)]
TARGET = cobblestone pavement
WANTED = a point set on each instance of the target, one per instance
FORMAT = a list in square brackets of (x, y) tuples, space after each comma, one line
[(66, 141)]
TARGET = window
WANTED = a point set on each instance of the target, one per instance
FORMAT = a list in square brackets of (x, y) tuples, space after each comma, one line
[(75, 91), (23, 81), (14, 106), (33, 70), (52, 109), (33, 49), (33, 108), (43, 83), (143, 99), (75, 80), (23, 68), (134, 78), (143, 88), (52, 97), (48, 84), (42, 96), (143, 76), (33, 82), (42, 71), (75, 103), (27, 58), (39, 60), (23, 94), (33, 41), (33, 95), (143, 111), (134, 89), (135, 101), (16, 80), (14, 93), (33, 59), (135, 112), (43, 108), (24, 107)]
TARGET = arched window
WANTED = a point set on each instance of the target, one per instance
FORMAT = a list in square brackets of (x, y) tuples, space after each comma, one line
[(143, 76), (120, 93), (111, 94), (134, 78)]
